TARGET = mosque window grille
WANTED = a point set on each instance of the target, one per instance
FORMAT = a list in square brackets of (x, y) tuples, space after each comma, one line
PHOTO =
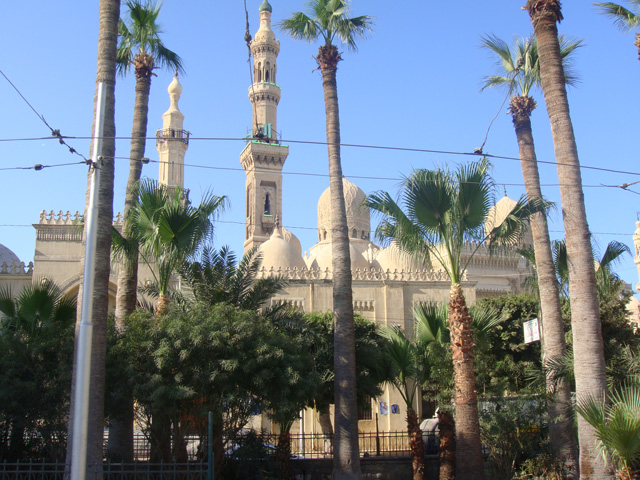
[(365, 411)]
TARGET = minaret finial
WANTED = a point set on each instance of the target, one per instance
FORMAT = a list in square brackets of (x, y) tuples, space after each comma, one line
[(505, 190)]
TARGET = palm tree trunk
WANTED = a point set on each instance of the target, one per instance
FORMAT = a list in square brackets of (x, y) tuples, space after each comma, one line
[(589, 365), (417, 445), (553, 345), (469, 462), (447, 451), (121, 426), (163, 304), (109, 14), (346, 459)]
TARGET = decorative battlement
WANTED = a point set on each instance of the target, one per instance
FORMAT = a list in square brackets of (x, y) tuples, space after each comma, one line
[(64, 227), (68, 218), (366, 274), (16, 268)]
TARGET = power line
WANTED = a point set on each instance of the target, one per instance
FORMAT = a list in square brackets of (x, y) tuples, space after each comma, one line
[(37, 167), (55, 133), (356, 145)]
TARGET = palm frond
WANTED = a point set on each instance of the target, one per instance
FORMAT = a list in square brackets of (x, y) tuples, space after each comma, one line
[(623, 19)]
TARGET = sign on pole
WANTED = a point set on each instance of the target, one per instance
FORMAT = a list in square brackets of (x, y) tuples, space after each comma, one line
[(531, 331)]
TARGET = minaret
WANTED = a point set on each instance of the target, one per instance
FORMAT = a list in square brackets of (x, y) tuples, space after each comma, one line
[(263, 157), (172, 141), (636, 245)]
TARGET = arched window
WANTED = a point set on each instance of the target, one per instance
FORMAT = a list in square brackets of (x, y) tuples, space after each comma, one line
[(266, 76), (324, 235), (354, 233), (259, 72), (267, 70), (267, 204)]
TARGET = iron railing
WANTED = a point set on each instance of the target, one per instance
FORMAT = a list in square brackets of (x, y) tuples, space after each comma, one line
[(109, 471), (307, 445)]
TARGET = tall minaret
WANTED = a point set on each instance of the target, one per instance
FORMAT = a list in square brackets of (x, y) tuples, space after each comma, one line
[(172, 141), (263, 157), (636, 245)]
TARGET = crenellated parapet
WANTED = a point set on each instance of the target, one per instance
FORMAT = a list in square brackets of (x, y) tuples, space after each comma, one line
[(16, 268), (64, 226), (357, 275)]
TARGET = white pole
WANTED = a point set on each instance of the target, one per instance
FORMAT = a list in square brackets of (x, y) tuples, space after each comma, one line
[(85, 331)]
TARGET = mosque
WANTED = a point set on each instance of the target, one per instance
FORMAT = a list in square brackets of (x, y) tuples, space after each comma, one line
[(386, 285)]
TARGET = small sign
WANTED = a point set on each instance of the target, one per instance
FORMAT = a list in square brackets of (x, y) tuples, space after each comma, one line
[(384, 408), (395, 408), (531, 331)]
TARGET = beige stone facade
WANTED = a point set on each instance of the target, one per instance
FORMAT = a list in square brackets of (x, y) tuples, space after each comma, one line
[(386, 285)]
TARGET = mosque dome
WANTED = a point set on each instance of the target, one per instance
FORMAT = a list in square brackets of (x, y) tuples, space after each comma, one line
[(175, 88), (6, 255), (265, 6), (498, 214), (322, 257), (292, 239), (278, 253), (358, 218), (391, 258)]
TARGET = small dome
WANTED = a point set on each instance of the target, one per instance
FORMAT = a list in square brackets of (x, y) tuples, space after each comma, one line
[(498, 213), (265, 6), (322, 257), (358, 218), (278, 253), (391, 258), (8, 256), (175, 88)]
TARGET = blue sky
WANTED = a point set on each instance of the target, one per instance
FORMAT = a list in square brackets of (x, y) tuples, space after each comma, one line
[(413, 83)]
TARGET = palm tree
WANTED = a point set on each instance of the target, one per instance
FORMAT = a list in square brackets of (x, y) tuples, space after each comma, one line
[(219, 278), (40, 312), (169, 230), (109, 13), (329, 20), (140, 47), (623, 18), (445, 211), (586, 327), (617, 427), (520, 73)]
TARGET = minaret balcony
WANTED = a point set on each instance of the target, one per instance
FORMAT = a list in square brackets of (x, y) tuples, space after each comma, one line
[(172, 134)]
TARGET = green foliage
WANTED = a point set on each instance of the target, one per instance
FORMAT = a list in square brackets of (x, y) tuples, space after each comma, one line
[(142, 34), (617, 425), (329, 20), (168, 228), (36, 357), (512, 431), (371, 361)]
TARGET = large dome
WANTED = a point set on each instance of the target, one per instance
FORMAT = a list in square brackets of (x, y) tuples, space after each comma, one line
[(7, 256), (322, 256), (278, 253), (358, 218)]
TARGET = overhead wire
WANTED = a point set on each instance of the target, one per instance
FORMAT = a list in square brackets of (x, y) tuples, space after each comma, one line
[(55, 133)]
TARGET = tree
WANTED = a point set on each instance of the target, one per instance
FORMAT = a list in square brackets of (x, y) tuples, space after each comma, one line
[(586, 328), (445, 211), (36, 355), (169, 229), (329, 20), (219, 278), (617, 426), (623, 18), (109, 13), (140, 47), (519, 72)]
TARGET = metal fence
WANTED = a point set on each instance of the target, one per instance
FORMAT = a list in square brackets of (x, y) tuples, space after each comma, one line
[(109, 471), (308, 445)]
